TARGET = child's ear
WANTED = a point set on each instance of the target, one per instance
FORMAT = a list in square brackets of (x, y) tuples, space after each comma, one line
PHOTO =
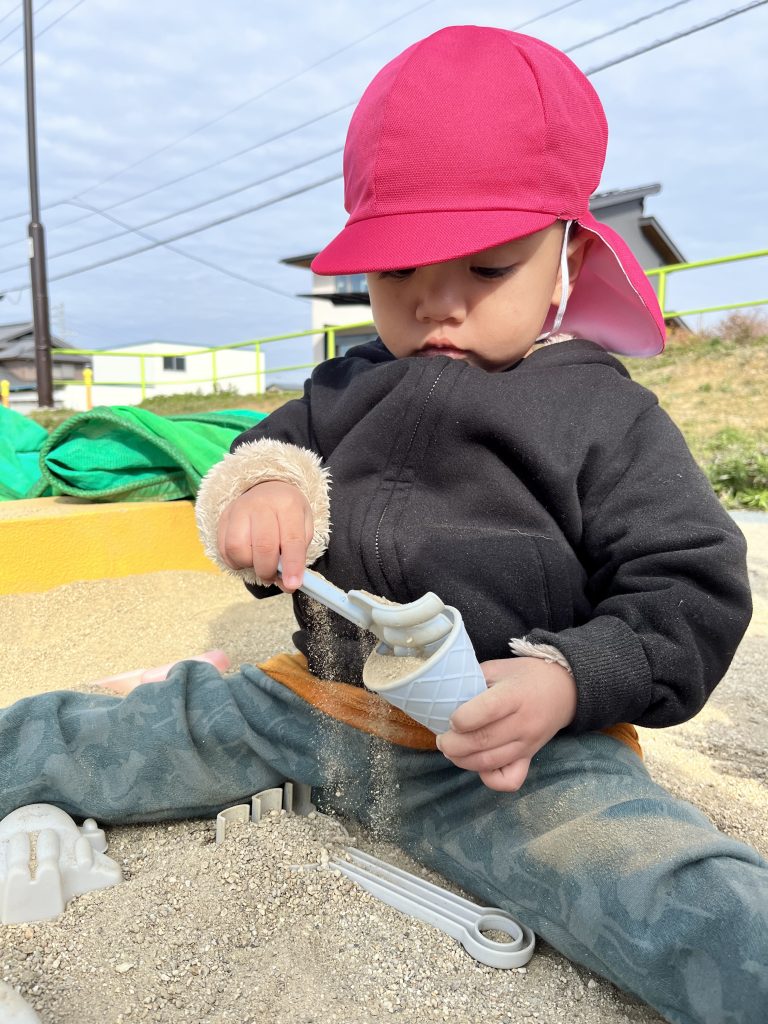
[(577, 248)]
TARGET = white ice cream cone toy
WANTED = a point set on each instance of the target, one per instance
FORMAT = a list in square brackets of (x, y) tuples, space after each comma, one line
[(431, 690), (425, 663)]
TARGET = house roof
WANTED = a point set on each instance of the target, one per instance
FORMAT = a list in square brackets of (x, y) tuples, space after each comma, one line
[(11, 332), (661, 241), (159, 341), (600, 201), (339, 298), (299, 261), (17, 341)]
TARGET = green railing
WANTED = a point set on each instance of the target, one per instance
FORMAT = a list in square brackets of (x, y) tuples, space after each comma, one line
[(673, 268), (216, 379), (260, 373)]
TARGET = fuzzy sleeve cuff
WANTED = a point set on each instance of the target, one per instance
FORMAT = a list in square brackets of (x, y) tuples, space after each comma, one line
[(253, 463), (547, 652)]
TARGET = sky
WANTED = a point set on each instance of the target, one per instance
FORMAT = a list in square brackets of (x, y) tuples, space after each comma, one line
[(136, 101)]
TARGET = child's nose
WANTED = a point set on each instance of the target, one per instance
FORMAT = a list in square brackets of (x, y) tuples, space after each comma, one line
[(440, 303)]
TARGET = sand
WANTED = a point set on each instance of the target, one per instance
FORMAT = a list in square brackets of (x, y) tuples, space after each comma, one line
[(382, 671), (235, 933)]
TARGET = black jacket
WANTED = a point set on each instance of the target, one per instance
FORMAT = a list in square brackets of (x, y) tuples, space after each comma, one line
[(555, 501)]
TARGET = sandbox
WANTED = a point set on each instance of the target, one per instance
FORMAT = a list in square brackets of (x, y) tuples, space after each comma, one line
[(206, 933)]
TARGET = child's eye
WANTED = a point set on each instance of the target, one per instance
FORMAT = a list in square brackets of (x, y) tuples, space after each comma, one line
[(398, 275), (492, 273)]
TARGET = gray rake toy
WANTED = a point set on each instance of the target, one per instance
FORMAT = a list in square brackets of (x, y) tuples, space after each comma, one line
[(468, 922), (447, 673)]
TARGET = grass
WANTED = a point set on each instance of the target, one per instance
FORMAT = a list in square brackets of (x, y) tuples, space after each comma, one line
[(713, 387), (188, 402), (709, 386)]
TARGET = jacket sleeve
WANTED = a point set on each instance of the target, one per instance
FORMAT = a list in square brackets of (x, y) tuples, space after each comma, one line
[(667, 583), (281, 447)]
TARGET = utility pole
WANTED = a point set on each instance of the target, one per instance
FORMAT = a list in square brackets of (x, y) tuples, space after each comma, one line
[(40, 317)]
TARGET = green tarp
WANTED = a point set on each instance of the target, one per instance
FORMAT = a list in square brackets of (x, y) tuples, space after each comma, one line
[(116, 453), (20, 442)]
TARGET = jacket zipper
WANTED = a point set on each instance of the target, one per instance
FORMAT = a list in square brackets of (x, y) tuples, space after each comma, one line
[(379, 559)]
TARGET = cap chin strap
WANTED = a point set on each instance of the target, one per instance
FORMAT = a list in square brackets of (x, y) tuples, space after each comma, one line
[(564, 285)]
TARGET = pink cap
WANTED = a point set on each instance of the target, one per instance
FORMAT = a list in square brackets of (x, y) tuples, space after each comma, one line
[(474, 137)]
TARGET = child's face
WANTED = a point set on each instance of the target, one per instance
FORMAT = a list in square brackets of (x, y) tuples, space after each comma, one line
[(487, 309)]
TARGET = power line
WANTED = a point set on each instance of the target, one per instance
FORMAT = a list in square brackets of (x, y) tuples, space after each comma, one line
[(252, 99), (231, 110), (187, 233), (226, 159), (627, 24), (16, 28), (176, 213), (16, 7), (306, 188), (298, 127), (42, 30), (242, 152), (546, 14), (195, 258), (248, 149), (677, 35), (189, 174)]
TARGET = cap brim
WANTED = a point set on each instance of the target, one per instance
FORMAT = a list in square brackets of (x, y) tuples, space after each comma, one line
[(613, 303), (418, 239)]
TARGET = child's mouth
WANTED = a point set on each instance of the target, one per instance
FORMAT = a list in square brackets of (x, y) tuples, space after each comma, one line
[(442, 350)]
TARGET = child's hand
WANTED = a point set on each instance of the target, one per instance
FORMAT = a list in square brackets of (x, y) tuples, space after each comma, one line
[(271, 520), (497, 733)]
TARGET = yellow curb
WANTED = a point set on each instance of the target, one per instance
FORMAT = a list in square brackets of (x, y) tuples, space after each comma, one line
[(47, 542)]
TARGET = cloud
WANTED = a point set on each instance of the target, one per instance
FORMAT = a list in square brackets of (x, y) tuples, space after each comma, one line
[(118, 81)]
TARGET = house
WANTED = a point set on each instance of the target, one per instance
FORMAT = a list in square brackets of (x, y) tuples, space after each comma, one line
[(624, 211), (127, 374), (18, 366), (343, 300)]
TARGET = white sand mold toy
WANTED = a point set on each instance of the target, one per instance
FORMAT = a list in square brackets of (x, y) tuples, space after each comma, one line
[(293, 797), (425, 663), (14, 1009), (68, 860)]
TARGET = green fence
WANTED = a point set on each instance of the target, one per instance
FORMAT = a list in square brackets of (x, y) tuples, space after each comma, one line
[(673, 268), (211, 376)]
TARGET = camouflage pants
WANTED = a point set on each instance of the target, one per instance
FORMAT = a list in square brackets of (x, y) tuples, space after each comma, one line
[(591, 853)]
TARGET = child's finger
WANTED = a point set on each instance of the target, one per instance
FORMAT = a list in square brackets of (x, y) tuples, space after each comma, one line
[(491, 759), (222, 532), (488, 737), (237, 530), (509, 778), (293, 548), (264, 544), (496, 702)]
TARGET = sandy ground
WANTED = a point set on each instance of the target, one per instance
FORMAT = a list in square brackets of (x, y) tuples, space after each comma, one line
[(235, 934)]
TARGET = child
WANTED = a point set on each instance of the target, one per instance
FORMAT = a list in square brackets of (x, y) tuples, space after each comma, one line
[(489, 449)]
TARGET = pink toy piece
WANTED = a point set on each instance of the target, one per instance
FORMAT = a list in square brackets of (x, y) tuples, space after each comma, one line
[(123, 683)]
